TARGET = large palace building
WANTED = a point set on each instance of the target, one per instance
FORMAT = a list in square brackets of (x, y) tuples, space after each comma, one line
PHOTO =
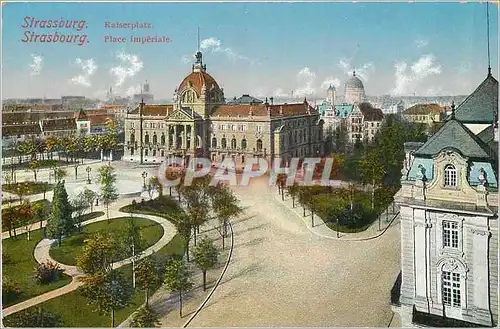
[(202, 124)]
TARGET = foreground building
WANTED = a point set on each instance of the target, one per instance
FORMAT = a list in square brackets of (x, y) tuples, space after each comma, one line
[(200, 123), (363, 123), (449, 220), (426, 114)]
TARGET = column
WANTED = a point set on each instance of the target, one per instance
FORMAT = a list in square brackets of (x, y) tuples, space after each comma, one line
[(168, 137), (193, 138), (175, 137), (184, 140)]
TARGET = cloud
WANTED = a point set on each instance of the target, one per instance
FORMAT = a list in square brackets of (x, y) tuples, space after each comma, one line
[(187, 59), (36, 64), (280, 93), (88, 68), (421, 43), (214, 45), (408, 77), (133, 90), (330, 81), (129, 66), (364, 71), (305, 79)]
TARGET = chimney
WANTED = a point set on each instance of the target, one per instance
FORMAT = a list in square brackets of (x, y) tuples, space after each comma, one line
[(281, 109), (250, 113)]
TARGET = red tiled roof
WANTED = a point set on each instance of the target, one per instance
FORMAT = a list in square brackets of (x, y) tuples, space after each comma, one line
[(33, 117), (196, 80), (80, 115), (261, 110), (152, 110), (100, 119)]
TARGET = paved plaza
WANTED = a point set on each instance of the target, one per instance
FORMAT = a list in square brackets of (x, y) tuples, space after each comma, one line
[(281, 272)]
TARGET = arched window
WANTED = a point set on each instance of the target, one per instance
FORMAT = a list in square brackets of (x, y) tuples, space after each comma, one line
[(146, 152), (162, 139), (146, 138), (132, 138), (259, 145), (450, 176), (154, 153), (223, 142), (155, 139), (233, 143), (214, 142), (243, 144)]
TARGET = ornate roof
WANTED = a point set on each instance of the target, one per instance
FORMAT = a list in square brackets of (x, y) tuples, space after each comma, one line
[(152, 110), (246, 99), (482, 105), (354, 82), (455, 135), (261, 110), (331, 88), (196, 80)]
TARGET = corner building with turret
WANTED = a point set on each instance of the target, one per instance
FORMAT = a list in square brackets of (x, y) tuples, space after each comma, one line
[(200, 123)]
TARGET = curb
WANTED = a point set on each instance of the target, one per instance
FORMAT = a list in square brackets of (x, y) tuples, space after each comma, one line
[(218, 281), (334, 237)]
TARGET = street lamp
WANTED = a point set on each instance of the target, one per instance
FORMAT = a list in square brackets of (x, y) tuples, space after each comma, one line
[(88, 174), (144, 175)]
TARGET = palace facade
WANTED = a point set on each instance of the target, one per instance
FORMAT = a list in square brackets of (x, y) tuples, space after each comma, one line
[(200, 123)]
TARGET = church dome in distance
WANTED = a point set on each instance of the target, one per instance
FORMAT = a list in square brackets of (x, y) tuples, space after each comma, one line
[(354, 82)]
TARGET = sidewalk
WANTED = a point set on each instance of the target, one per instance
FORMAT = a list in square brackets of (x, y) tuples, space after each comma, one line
[(320, 228)]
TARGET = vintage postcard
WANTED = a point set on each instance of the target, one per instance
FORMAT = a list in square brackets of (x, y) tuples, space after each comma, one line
[(249, 164)]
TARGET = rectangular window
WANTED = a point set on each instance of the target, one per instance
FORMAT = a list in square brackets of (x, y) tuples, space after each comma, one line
[(450, 234), (451, 289)]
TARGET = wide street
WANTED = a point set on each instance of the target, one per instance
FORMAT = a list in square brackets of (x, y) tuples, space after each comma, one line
[(283, 275)]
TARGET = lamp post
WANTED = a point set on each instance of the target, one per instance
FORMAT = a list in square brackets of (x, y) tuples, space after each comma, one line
[(88, 174), (144, 175)]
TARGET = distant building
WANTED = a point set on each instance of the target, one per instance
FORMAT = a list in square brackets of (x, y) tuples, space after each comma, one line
[(330, 95), (354, 91), (449, 220), (425, 114), (246, 99), (363, 122)]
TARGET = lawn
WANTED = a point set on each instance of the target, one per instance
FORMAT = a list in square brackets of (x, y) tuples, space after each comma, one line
[(162, 206), (30, 188), (71, 246), (73, 307), (21, 265), (40, 163)]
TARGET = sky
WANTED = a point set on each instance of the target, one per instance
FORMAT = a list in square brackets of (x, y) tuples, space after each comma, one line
[(262, 49)]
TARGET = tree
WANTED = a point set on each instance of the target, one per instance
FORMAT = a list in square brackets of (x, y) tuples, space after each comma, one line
[(33, 318), (59, 173), (293, 191), (225, 206), (10, 290), (155, 185), (60, 221), (132, 242), (26, 216), (89, 196), (7, 177), (40, 212), (34, 167), (372, 170), (107, 179), (184, 227), (205, 257), (145, 318), (178, 279), (147, 276), (80, 206), (51, 143), (10, 219), (99, 252), (107, 292)]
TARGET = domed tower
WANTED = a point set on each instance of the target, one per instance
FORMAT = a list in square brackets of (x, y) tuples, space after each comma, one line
[(199, 91), (354, 90), (330, 95)]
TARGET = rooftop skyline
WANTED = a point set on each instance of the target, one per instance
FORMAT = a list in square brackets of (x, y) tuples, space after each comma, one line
[(261, 49)]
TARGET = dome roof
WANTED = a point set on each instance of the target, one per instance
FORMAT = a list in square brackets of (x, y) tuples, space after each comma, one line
[(354, 82), (196, 80), (331, 88)]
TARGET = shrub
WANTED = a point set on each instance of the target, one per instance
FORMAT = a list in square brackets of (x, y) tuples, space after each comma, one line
[(6, 259), (145, 318), (10, 290), (47, 272), (134, 204), (33, 318)]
